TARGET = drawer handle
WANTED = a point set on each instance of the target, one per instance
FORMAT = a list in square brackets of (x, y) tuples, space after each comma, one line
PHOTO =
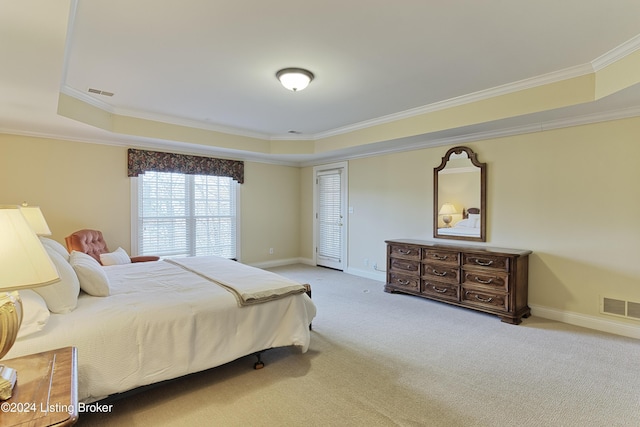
[(441, 291), (483, 300), (437, 273), (407, 266), (404, 252), (484, 282), (483, 262), (402, 282), (439, 257)]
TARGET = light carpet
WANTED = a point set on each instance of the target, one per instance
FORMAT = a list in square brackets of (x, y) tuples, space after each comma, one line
[(379, 359)]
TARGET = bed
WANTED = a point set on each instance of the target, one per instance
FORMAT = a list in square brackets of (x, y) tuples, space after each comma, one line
[(469, 225), (159, 320)]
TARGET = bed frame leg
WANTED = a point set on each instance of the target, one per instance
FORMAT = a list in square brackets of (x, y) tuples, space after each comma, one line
[(259, 364), (307, 289)]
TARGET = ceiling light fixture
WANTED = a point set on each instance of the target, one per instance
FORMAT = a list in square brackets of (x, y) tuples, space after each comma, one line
[(295, 79)]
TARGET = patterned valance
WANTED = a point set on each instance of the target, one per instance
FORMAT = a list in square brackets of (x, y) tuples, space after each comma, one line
[(142, 160)]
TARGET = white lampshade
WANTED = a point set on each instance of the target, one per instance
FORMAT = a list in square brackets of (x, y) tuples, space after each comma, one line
[(447, 209), (24, 263), (36, 220), (295, 79)]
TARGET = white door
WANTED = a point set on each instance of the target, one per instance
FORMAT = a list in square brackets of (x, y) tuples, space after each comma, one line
[(330, 217)]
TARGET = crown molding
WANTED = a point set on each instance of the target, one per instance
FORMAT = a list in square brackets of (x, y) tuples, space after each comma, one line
[(505, 89), (156, 144), (409, 144), (424, 142), (617, 53), (157, 117)]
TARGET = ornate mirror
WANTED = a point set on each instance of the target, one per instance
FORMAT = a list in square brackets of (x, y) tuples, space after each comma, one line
[(459, 196)]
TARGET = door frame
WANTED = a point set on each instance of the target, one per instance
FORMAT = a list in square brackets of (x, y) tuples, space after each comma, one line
[(344, 166)]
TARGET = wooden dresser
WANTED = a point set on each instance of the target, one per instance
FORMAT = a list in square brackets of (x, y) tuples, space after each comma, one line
[(493, 280)]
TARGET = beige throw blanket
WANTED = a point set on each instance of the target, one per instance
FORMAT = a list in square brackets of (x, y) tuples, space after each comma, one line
[(250, 285)]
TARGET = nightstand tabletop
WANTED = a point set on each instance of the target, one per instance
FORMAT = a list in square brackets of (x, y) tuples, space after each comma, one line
[(45, 393)]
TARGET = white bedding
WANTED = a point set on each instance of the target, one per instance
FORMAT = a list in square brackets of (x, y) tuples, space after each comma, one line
[(459, 231), (248, 284), (465, 227), (161, 322)]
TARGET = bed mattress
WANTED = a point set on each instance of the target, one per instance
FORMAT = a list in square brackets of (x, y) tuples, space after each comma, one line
[(162, 322)]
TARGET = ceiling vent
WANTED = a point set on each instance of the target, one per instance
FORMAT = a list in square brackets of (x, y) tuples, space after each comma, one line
[(100, 92), (619, 307)]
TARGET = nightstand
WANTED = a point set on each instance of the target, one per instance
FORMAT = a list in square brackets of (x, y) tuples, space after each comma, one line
[(46, 391)]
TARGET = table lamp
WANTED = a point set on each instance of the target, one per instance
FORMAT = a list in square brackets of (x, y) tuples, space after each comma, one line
[(24, 264), (447, 210), (36, 220)]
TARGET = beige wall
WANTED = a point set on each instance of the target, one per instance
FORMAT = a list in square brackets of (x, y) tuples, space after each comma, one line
[(569, 195), (76, 185), (270, 213), (306, 214), (80, 185)]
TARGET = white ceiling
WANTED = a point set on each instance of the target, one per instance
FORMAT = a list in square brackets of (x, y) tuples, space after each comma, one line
[(212, 64)]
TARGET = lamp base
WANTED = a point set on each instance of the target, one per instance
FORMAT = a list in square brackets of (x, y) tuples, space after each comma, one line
[(8, 377), (10, 320)]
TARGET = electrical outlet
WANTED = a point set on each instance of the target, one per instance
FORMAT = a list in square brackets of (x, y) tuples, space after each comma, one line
[(375, 265), (270, 251), (366, 262)]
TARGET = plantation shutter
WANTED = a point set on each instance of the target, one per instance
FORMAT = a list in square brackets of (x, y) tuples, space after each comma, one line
[(330, 216), (186, 215)]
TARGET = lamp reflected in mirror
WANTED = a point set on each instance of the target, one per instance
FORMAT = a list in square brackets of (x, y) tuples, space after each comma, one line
[(446, 211)]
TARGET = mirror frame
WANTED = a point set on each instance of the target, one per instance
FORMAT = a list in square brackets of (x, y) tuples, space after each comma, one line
[(483, 195)]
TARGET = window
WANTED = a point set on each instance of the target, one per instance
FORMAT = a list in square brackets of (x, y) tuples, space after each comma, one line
[(185, 215)]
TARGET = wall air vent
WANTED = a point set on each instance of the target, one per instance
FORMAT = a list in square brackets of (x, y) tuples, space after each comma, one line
[(619, 307), (633, 309), (100, 92)]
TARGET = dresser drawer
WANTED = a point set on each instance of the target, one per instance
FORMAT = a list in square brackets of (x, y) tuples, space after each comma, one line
[(441, 256), (484, 277), (489, 261), (436, 289), (410, 283), (441, 273), (404, 251), (404, 266), (485, 299)]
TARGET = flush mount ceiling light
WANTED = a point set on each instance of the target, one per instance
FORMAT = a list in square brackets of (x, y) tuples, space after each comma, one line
[(294, 79)]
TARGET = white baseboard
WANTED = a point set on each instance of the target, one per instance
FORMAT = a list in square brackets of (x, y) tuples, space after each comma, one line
[(379, 276), (278, 263), (591, 322)]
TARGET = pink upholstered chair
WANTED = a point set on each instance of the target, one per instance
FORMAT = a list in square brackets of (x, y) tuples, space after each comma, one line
[(92, 243)]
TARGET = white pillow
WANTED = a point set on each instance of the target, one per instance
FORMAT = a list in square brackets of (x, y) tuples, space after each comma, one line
[(35, 313), (61, 297), (119, 256), (52, 244), (475, 218), (93, 279), (466, 223)]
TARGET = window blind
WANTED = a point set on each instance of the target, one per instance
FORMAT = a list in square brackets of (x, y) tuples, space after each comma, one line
[(186, 215), (329, 216)]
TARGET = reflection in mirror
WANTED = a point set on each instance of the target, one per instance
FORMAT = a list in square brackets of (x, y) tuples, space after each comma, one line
[(459, 196)]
